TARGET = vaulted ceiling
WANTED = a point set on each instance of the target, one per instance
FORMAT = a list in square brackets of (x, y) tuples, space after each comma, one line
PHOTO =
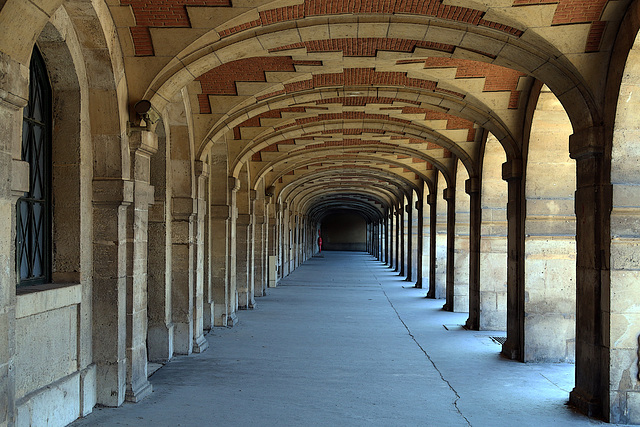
[(353, 104)]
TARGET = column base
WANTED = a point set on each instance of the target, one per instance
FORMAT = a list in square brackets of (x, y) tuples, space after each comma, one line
[(200, 344), (587, 405), (142, 391), (208, 319), (243, 300), (471, 325), (510, 351), (231, 320), (160, 343), (183, 338)]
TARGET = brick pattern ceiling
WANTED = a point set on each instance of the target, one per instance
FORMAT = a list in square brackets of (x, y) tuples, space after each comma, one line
[(320, 92)]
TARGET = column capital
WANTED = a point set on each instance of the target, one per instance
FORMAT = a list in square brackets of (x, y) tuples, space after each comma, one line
[(201, 169), (587, 142), (472, 185), (234, 183), (449, 193), (143, 142), (512, 169), (432, 199)]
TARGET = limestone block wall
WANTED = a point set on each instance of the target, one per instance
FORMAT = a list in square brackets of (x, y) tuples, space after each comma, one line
[(550, 250), (622, 342), (493, 240)]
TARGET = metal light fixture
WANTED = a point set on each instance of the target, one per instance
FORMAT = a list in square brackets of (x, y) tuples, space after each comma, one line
[(147, 113)]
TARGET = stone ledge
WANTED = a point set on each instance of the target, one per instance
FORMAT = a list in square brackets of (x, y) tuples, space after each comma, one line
[(41, 298)]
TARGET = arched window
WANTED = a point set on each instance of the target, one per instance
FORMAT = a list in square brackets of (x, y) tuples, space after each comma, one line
[(34, 208)]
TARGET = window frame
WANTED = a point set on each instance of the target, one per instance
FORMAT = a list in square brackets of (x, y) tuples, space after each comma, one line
[(40, 95)]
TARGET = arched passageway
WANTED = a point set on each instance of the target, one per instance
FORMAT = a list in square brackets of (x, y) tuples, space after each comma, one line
[(483, 152)]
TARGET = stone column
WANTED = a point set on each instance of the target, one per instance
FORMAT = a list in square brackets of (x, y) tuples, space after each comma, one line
[(397, 239), (419, 205), (160, 326), (243, 243), (14, 181), (514, 346), (472, 188), (449, 195), (182, 285), (220, 211), (392, 236), (259, 242), (111, 198), (408, 270), (402, 238), (602, 354), (432, 201), (200, 344), (441, 239), (272, 244), (233, 186), (461, 239), (142, 146)]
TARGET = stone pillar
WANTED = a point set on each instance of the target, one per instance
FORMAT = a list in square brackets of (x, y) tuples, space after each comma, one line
[(398, 239), (513, 348), (243, 243), (200, 344), (402, 238), (387, 236), (284, 239), (472, 188), (409, 245), (417, 240), (273, 243), (111, 198), (14, 181), (182, 284), (392, 236), (461, 239), (233, 186), (441, 239), (605, 358), (259, 242), (424, 236), (142, 146), (432, 201), (449, 195), (160, 325), (220, 212)]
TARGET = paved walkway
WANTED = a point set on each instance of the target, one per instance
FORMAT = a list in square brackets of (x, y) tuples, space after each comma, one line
[(342, 342)]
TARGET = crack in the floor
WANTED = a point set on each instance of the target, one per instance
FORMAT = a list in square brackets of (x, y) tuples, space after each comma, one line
[(455, 402), (560, 388)]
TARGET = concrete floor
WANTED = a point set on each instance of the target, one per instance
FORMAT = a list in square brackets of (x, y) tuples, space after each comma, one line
[(345, 341)]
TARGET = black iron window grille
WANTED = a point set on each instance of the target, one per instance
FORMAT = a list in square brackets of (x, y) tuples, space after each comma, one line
[(34, 208)]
